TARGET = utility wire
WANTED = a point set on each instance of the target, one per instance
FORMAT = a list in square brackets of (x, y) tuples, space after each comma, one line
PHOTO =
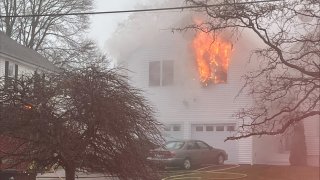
[(140, 10)]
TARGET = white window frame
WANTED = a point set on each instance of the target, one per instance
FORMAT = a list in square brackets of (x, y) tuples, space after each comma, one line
[(161, 84)]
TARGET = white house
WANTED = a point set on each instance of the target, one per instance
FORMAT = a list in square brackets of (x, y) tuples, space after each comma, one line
[(16, 59), (163, 65)]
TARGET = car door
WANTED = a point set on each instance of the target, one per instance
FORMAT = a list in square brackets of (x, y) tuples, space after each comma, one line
[(207, 153), (194, 152)]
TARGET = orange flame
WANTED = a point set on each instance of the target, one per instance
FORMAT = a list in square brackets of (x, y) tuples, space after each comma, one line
[(212, 55)]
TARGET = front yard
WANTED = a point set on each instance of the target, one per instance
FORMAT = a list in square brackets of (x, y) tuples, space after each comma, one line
[(247, 172)]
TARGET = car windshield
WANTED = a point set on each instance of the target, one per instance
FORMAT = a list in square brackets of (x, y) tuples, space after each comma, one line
[(173, 145)]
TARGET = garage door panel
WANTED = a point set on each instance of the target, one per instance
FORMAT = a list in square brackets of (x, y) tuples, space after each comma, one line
[(215, 137), (173, 132)]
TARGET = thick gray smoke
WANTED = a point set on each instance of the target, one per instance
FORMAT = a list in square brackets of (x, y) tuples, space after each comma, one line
[(144, 27)]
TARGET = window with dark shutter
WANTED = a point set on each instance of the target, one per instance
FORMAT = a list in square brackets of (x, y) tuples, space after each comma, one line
[(6, 68), (154, 73), (6, 72), (16, 68), (167, 73)]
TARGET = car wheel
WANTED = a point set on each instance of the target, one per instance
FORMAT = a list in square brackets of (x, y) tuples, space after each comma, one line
[(186, 164), (220, 160)]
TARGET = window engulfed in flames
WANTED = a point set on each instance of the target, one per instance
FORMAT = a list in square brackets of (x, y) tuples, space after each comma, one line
[(212, 55)]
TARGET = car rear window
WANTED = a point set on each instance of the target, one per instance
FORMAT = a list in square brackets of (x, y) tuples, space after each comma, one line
[(174, 145)]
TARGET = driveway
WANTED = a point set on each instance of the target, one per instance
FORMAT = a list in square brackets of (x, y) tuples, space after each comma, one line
[(206, 173), (212, 172), (246, 172)]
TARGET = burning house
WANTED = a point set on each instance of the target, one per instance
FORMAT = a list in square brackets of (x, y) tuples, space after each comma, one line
[(193, 79)]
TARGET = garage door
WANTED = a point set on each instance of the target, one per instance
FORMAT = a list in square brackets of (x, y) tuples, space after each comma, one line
[(173, 132), (214, 135)]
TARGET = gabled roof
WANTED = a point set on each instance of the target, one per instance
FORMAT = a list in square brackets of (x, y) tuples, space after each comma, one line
[(11, 48)]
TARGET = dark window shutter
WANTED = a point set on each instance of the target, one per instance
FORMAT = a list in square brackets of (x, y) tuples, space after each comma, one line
[(154, 73), (6, 73), (167, 73), (6, 69), (16, 68)]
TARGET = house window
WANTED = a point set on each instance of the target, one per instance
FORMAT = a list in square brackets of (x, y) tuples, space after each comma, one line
[(199, 128), (167, 73), (161, 73), (209, 128), (176, 128), (11, 70), (230, 128), (154, 73), (219, 128), (167, 128)]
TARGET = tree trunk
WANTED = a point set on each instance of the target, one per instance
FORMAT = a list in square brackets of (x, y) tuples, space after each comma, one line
[(70, 172)]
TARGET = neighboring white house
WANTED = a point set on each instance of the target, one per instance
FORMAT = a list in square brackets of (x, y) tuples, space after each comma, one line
[(162, 64), (16, 59)]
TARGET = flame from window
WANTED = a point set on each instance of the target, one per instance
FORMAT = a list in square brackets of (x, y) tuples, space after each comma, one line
[(212, 55)]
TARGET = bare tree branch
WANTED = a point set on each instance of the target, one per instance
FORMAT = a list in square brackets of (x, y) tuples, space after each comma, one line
[(285, 85)]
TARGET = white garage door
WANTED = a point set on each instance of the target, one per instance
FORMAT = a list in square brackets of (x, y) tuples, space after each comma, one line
[(214, 135), (173, 132)]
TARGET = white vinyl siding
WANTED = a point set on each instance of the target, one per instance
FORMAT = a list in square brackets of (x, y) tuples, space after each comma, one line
[(245, 151), (312, 135)]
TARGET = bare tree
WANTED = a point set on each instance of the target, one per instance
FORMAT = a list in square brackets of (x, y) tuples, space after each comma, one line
[(286, 84), (88, 119), (58, 38)]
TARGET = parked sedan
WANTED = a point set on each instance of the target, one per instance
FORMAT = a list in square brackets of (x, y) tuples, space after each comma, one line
[(187, 154)]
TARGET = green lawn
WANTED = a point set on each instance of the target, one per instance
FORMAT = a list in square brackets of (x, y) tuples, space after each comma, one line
[(247, 172)]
